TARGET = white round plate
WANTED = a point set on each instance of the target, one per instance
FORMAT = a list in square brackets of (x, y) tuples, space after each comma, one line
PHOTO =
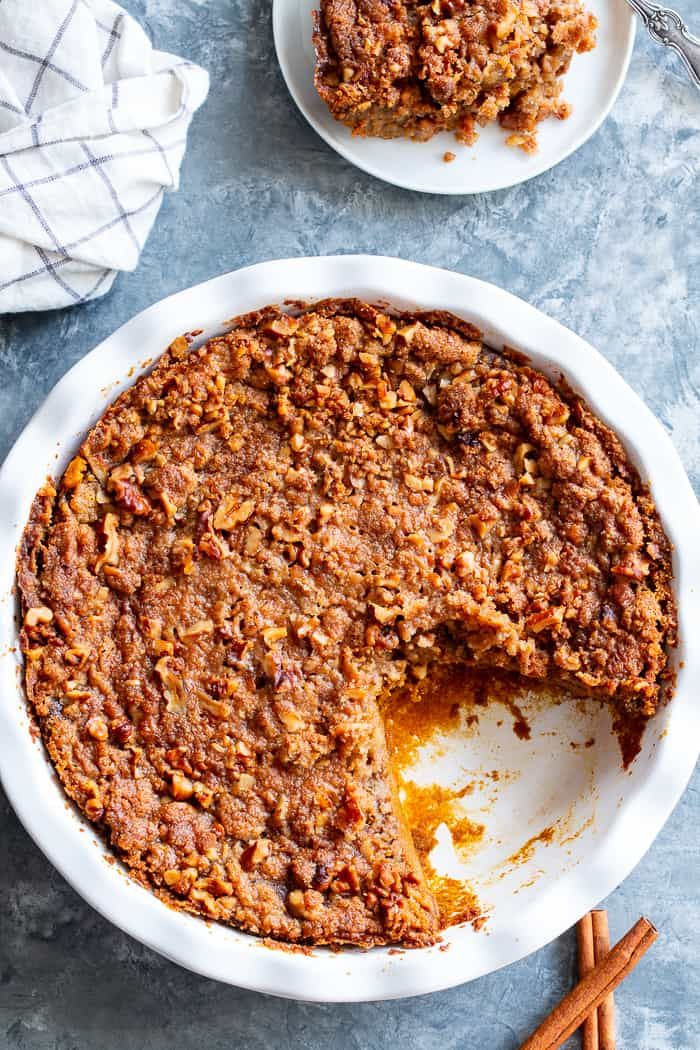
[(599, 819), (591, 86)]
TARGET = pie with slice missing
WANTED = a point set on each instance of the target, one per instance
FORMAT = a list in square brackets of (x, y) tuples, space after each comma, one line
[(261, 540)]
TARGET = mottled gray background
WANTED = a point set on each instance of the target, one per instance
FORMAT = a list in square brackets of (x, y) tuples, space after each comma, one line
[(608, 243)]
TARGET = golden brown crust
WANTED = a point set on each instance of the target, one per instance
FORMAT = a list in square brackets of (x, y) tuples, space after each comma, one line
[(392, 68), (264, 536)]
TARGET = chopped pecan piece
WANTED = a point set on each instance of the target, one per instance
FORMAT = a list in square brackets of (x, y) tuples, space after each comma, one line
[(129, 496)]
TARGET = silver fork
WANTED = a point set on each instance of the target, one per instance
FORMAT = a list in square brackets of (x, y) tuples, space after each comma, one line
[(668, 28)]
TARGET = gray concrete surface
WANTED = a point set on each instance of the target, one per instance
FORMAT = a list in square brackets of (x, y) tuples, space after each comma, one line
[(608, 243)]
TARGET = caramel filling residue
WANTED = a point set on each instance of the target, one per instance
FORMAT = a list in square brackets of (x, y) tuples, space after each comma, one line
[(414, 717), (527, 850), (426, 808), (429, 806), (417, 713), (450, 699), (456, 902)]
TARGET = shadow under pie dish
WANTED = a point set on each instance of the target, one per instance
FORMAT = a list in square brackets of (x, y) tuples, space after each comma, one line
[(264, 537), (390, 69)]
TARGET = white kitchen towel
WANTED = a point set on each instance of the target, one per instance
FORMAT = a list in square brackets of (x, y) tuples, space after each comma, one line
[(93, 128)]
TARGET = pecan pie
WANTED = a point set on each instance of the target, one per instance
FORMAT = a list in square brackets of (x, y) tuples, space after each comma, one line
[(392, 68), (261, 540)]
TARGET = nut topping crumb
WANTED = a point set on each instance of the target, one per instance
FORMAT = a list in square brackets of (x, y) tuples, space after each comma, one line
[(40, 614), (231, 513)]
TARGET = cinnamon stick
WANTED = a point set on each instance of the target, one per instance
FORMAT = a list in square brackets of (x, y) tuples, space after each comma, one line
[(586, 962), (606, 1010), (595, 986)]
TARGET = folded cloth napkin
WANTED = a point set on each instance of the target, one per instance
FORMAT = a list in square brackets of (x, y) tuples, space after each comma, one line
[(93, 127)]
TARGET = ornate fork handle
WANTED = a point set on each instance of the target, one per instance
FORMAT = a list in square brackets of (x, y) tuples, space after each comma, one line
[(669, 29)]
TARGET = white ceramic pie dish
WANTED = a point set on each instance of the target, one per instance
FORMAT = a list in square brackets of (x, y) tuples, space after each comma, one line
[(604, 819), (591, 86)]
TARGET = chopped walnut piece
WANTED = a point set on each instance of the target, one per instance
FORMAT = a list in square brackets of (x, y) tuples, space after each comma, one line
[(273, 634), (304, 905), (177, 757), (545, 620), (481, 526), (384, 614), (182, 552), (231, 513), (217, 887), (386, 328), (445, 530), (525, 141), (39, 614), (291, 720), (173, 688), (210, 545), (144, 451), (464, 563), (282, 326), (634, 566), (122, 732), (168, 504), (408, 332), (181, 787), (129, 496), (280, 812), (110, 554), (180, 881), (319, 638), (215, 707), (205, 899), (203, 794), (97, 728), (418, 484), (254, 854), (243, 783), (77, 656), (196, 628), (350, 812), (526, 459), (253, 541)]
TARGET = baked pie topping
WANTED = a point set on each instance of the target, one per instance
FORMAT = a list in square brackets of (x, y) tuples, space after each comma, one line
[(390, 68), (265, 537)]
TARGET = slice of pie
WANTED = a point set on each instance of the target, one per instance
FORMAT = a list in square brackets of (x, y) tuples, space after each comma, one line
[(261, 540), (391, 68)]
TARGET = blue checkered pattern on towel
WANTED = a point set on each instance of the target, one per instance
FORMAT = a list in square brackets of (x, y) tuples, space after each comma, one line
[(93, 128)]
